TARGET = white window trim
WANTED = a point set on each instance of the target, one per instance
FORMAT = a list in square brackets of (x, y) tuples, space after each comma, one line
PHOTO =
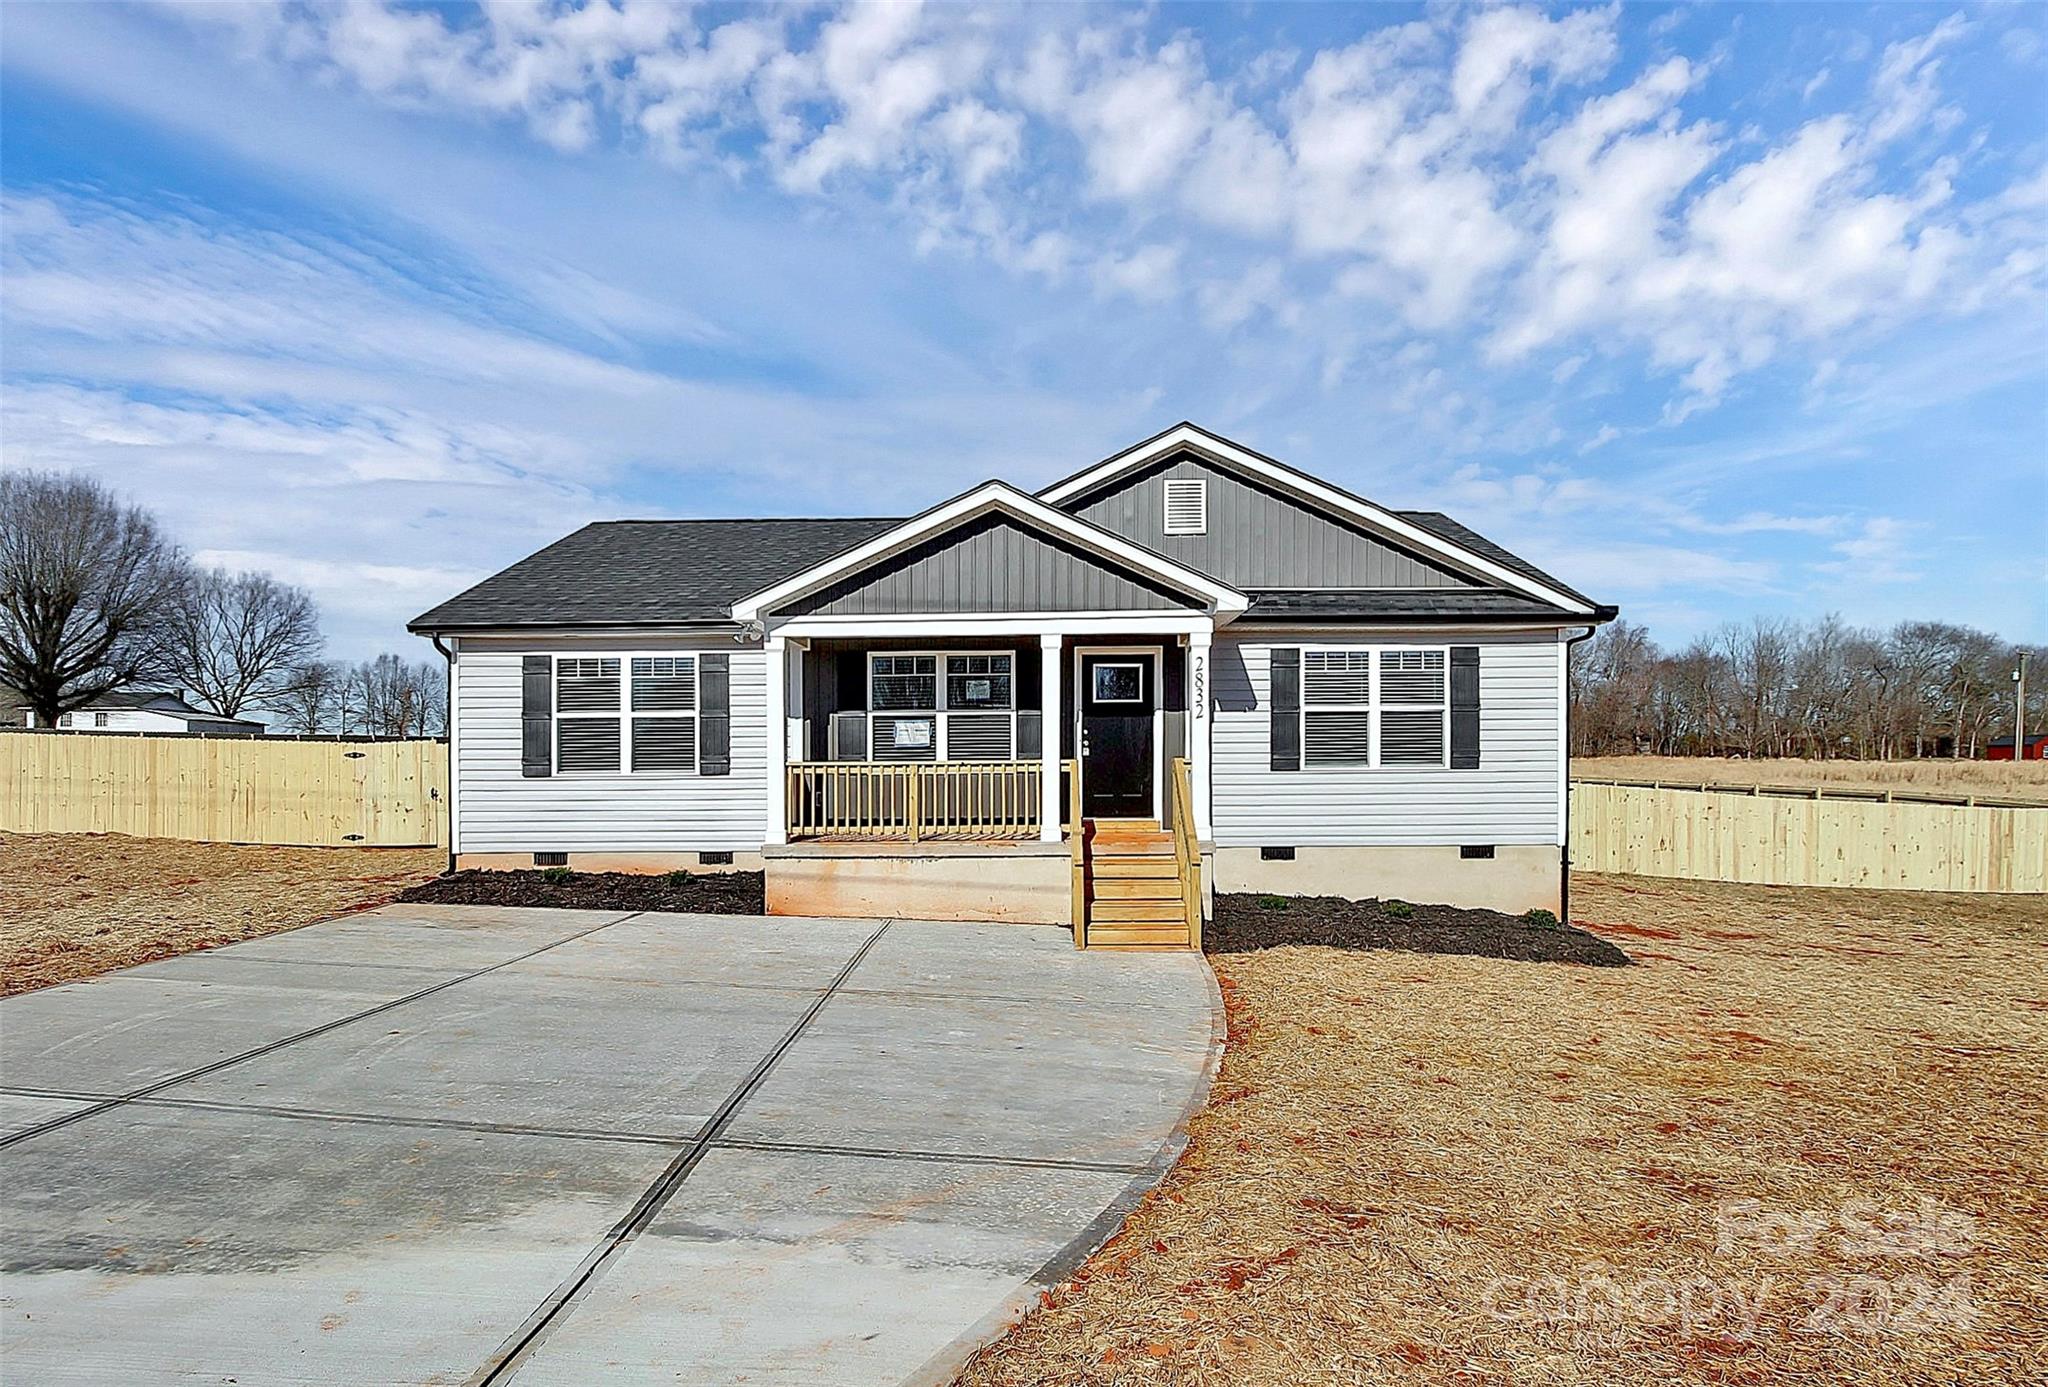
[(940, 714), (1374, 706), (1200, 486), (624, 714)]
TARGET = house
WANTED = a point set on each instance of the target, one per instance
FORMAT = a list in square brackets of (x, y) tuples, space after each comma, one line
[(136, 710), (1234, 676), (2000, 748)]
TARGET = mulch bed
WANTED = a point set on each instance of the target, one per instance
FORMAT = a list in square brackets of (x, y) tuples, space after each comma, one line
[(707, 893), (1244, 923)]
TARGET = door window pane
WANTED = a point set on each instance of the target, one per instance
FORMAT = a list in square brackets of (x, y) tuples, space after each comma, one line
[(1119, 683)]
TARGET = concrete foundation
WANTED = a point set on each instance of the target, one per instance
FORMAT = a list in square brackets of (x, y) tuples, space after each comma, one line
[(644, 863), (1516, 878), (1013, 883)]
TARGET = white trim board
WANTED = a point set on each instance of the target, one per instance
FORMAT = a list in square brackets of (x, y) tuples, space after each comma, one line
[(1018, 624), (990, 497), (1384, 522)]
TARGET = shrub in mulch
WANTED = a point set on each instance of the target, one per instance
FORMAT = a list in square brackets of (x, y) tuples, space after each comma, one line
[(1244, 923), (700, 893)]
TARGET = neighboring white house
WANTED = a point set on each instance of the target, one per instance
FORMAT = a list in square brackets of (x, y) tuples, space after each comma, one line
[(142, 711), (890, 716)]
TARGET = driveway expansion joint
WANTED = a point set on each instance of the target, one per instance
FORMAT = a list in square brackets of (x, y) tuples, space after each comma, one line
[(201, 1071), (530, 1334)]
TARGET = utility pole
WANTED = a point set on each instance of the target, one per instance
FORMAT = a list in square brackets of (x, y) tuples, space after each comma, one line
[(2019, 710)]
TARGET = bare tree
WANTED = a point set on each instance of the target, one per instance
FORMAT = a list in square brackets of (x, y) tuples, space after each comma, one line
[(237, 640), (1774, 688), (87, 585), (312, 703), (393, 697)]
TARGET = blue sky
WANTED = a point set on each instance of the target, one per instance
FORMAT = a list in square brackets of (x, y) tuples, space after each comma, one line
[(1716, 310)]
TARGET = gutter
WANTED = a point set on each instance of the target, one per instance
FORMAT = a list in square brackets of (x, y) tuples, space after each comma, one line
[(448, 722), (1564, 854)]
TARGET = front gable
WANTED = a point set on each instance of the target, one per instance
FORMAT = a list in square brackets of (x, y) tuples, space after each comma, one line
[(992, 550), (1256, 537), (992, 563), (1400, 546)]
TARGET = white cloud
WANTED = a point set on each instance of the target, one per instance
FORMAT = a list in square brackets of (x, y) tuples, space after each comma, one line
[(1606, 434), (1149, 274)]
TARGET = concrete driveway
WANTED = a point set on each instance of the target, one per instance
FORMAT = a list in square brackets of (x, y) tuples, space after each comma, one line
[(455, 1144)]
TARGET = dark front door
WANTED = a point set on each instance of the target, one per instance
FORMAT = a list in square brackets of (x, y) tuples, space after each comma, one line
[(1117, 699)]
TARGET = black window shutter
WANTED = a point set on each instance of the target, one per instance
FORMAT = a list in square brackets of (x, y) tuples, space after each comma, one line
[(536, 715), (714, 715), (1286, 710), (1030, 735), (1464, 707)]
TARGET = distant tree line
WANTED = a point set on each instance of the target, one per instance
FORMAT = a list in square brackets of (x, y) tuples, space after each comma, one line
[(1814, 689), (95, 598)]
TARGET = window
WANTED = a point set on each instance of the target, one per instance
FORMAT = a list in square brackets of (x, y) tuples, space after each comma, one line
[(903, 696), (1187, 506), (1414, 707), (1336, 707), (1120, 683), (615, 713), (665, 686), (915, 714), (588, 736), (99, 719), (1375, 707)]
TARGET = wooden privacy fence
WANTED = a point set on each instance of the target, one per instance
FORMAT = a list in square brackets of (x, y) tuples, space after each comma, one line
[(1736, 835), (227, 789)]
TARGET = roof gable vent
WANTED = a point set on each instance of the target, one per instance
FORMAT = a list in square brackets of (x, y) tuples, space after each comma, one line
[(1187, 506)]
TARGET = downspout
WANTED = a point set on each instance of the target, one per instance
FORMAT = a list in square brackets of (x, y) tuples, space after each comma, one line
[(448, 724), (1564, 852)]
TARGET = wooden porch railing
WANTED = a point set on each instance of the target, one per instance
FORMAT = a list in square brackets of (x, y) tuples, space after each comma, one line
[(1077, 841), (1187, 848), (912, 802)]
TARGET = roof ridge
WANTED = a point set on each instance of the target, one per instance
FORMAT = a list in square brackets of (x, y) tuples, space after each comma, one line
[(750, 520)]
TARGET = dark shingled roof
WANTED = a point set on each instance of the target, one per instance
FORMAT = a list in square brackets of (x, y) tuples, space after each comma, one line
[(631, 572), (1443, 527), (653, 572)]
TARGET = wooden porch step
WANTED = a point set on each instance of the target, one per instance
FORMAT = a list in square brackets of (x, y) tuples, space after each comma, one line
[(1150, 845), (1129, 868), (1154, 912), (1138, 936), (1159, 887)]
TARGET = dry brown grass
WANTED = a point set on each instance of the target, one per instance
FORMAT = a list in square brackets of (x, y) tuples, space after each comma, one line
[(1446, 1170), (2018, 779), (72, 905)]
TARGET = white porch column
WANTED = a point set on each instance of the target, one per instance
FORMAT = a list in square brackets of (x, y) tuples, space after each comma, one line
[(1051, 720), (776, 676), (1201, 708)]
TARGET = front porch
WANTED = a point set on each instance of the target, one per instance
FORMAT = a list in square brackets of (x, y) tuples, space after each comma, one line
[(975, 773)]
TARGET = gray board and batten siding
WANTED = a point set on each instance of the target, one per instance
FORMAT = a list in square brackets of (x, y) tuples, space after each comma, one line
[(1256, 537), (993, 564)]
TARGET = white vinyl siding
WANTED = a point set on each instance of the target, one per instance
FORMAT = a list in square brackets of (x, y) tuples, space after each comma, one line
[(1511, 798), (499, 810)]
